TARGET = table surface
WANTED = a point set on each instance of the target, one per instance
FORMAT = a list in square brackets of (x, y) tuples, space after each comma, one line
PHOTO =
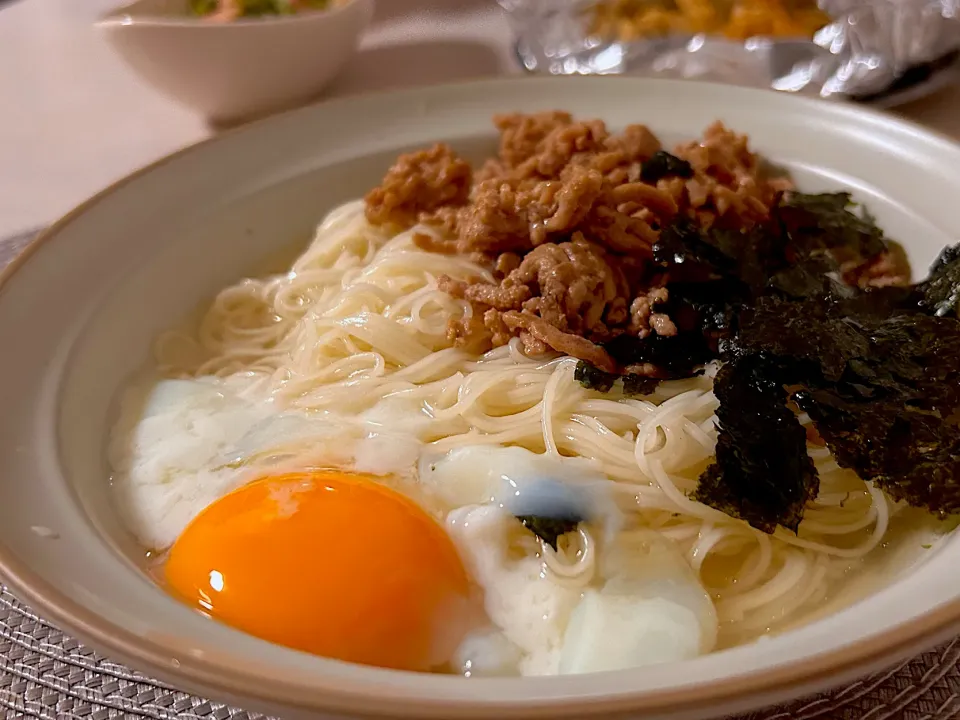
[(74, 118)]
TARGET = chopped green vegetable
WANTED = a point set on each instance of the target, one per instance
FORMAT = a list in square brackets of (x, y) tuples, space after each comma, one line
[(255, 8), (926, 546), (549, 529), (203, 7)]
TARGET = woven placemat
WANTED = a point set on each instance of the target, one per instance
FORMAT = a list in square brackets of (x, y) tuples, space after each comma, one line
[(44, 673)]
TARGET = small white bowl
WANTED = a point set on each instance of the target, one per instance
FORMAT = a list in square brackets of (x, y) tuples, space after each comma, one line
[(235, 70)]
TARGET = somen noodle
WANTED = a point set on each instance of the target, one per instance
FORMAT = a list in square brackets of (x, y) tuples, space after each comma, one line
[(359, 324)]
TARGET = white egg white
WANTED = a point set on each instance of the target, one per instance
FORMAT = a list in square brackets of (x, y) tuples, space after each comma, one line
[(179, 445), (521, 482), (170, 453), (644, 604), (531, 611), (647, 607)]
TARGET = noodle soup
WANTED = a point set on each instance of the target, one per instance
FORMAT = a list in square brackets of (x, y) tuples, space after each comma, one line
[(497, 422)]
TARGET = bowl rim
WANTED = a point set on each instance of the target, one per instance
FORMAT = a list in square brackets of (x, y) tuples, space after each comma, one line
[(121, 17), (359, 699)]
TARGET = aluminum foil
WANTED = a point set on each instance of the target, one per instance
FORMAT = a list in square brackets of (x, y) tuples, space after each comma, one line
[(872, 51)]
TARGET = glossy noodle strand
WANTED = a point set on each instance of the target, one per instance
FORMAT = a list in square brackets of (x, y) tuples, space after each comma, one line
[(359, 325)]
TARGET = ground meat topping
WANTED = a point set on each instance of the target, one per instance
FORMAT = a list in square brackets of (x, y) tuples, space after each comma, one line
[(521, 136), (419, 182), (729, 180), (643, 318), (565, 224)]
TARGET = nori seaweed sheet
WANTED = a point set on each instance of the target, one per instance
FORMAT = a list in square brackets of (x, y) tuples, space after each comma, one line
[(762, 473), (634, 384), (941, 291), (662, 164), (549, 529), (881, 384), (877, 370)]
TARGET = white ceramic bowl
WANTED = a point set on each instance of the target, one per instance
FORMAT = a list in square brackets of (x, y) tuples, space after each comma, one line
[(79, 310), (236, 70)]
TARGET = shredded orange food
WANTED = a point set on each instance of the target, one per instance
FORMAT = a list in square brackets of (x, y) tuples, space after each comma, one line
[(737, 19)]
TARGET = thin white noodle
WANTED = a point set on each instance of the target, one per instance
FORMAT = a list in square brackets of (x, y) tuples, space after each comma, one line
[(572, 566), (359, 323)]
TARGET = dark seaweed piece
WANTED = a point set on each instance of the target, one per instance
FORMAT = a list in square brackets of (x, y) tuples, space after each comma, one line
[(744, 260), (811, 277), (821, 237), (634, 384), (706, 307), (673, 356), (881, 384), (593, 378), (809, 334), (877, 369), (799, 253), (878, 303), (762, 473), (909, 452), (662, 165), (686, 250), (637, 385), (912, 358), (827, 222), (682, 244), (941, 290), (549, 529), (907, 357)]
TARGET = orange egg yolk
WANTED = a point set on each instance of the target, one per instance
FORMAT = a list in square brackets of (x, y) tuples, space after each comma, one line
[(333, 564)]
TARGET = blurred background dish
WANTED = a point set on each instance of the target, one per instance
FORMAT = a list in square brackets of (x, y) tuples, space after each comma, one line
[(737, 20), (230, 10), (881, 51), (249, 64)]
